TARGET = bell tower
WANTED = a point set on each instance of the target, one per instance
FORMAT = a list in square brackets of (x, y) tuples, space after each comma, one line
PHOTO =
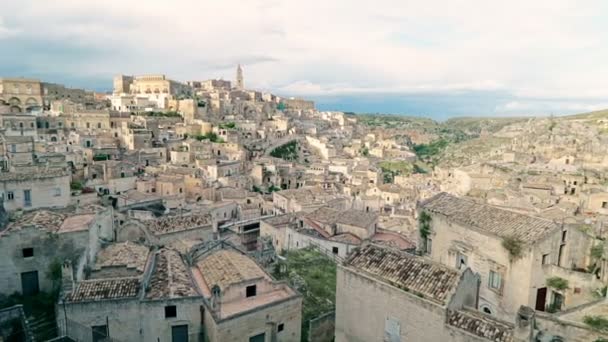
[(239, 78)]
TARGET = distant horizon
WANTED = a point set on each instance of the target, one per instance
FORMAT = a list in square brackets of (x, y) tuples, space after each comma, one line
[(433, 58), (437, 106)]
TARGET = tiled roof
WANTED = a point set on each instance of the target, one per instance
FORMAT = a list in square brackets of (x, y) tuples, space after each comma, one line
[(495, 221), (280, 220), (31, 175), (405, 271), (481, 325), (104, 289), (42, 219), (350, 217), (169, 224), (225, 267), (170, 278), (127, 254)]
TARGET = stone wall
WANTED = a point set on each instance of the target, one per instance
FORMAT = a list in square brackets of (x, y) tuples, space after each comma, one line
[(322, 328), (365, 308), (263, 320)]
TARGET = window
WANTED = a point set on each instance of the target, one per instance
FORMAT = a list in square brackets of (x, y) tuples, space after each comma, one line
[(495, 281), (545, 259), (429, 245), (57, 192), (27, 252), (10, 195), (13, 148), (461, 261), (99, 125), (604, 205), (250, 291), (100, 332), (280, 327), (88, 125), (486, 309), (258, 338), (335, 250), (27, 198), (170, 311)]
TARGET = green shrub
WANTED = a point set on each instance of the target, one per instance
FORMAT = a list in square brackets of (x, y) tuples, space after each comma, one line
[(514, 246), (557, 283), (599, 323)]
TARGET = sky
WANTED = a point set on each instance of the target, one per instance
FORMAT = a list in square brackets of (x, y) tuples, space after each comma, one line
[(435, 58)]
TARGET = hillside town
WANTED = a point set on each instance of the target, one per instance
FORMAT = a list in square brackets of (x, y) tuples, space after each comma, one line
[(204, 210)]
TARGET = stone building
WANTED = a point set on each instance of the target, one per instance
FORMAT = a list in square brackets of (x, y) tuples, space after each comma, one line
[(133, 294), (15, 125), (34, 187), (30, 246), (514, 253), (409, 298), (20, 94), (242, 302)]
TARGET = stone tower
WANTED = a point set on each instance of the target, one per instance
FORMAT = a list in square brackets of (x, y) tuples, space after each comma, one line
[(239, 78)]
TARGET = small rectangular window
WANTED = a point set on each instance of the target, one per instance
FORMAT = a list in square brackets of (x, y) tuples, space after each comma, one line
[(429, 245), (335, 250), (250, 291), (545, 259), (10, 195), (495, 281), (28, 252), (280, 327), (604, 205), (170, 311), (57, 192)]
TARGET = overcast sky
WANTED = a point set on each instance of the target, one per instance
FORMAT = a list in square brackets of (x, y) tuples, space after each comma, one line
[(431, 57)]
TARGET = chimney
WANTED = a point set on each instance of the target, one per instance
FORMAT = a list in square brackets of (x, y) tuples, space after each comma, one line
[(216, 231), (216, 298), (67, 277), (524, 324)]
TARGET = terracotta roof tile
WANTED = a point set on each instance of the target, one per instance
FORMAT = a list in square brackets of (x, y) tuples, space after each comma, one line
[(493, 220), (405, 271), (481, 325), (104, 289)]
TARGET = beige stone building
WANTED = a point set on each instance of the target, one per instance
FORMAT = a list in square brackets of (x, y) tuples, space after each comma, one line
[(20, 94), (515, 254), (34, 187), (242, 302), (31, 244), (408, 298)]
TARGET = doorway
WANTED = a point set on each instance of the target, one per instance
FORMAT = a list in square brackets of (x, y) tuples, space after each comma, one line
[(29, 283), (541, 297), (179, 333)]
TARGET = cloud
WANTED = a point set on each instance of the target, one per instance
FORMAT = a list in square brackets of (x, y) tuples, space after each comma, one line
[(542, 50)]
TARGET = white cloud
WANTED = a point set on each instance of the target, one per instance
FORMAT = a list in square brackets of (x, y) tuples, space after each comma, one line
[(544, 48)]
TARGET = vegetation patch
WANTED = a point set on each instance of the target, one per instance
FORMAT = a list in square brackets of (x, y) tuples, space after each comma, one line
[(287, 151), (170, 114), (213, 137), (75, 186), (426, 152), (599, 323), (514, 245), (424, 221), (314, 276), (228, 125), (557, 283)]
